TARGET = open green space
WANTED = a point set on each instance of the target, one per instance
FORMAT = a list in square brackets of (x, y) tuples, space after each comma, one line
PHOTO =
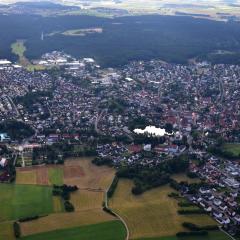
[(55, 176), (6, 231), (18, 48), (103, 231), (19, 201), (234, 148), (214, 235)]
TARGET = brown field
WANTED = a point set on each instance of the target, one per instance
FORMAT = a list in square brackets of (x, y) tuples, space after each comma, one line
[(73, 172), (26, 177), (91, 176), (153, 214), (42, 176), (84, 200), (35, 174), (65, 220)]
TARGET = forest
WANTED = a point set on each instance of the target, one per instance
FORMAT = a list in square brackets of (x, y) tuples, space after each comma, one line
[(170, 38)]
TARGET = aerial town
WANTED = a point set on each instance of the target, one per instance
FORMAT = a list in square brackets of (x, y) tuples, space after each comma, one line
[(142, 114)]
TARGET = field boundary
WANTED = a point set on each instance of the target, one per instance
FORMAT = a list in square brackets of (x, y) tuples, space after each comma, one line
[(116, 214)]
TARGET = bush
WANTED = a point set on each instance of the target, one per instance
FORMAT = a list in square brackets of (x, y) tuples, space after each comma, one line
[(26, 219), (113, 187), (173, 195), (193, 233), (68, 206), (16, 229), (192, 175), (193, 211), (185, 204)]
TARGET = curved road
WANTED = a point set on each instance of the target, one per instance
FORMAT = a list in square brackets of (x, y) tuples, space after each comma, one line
[(117, 215)]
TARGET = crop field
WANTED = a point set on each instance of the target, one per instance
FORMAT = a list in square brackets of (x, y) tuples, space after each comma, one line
[(55, 176), (64, 221), (233, 148), (153, 214), (6, 231), (84, 200), (86, 175), (102, 231), (92, 181), (43, 175), (26, 177), (24, 200)]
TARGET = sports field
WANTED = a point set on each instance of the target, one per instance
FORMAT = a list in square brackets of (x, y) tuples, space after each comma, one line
[(153, 214), (234, 148), (24, 200), (102, 231)]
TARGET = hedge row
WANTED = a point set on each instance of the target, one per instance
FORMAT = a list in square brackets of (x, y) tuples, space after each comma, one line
[(193, 211), (113, 187), (17, 229), (193, 233)]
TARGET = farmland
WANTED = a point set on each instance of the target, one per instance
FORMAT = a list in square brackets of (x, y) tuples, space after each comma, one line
[(84, 174), (102, 231), (64, 221), (55, 176), (153, 213), (6, 231), (43, 175), (24, 200), (92, 182)]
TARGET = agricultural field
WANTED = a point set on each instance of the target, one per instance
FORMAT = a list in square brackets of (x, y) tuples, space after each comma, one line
[(55, 176), (92, 182), (43, 175), (6, 231), (81, 172), (65, 220), (102, 231), (82, 32), (153, 214), (234, 148), (24, 200)]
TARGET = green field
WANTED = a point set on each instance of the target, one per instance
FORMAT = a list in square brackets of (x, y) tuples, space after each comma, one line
[(113, 230), (234, 148), (6, 231), (55, 176), (18, 48), (24, 200), (215, 235)]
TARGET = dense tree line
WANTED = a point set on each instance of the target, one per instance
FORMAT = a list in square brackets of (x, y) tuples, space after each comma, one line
[(146, 177), (16, 130)]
